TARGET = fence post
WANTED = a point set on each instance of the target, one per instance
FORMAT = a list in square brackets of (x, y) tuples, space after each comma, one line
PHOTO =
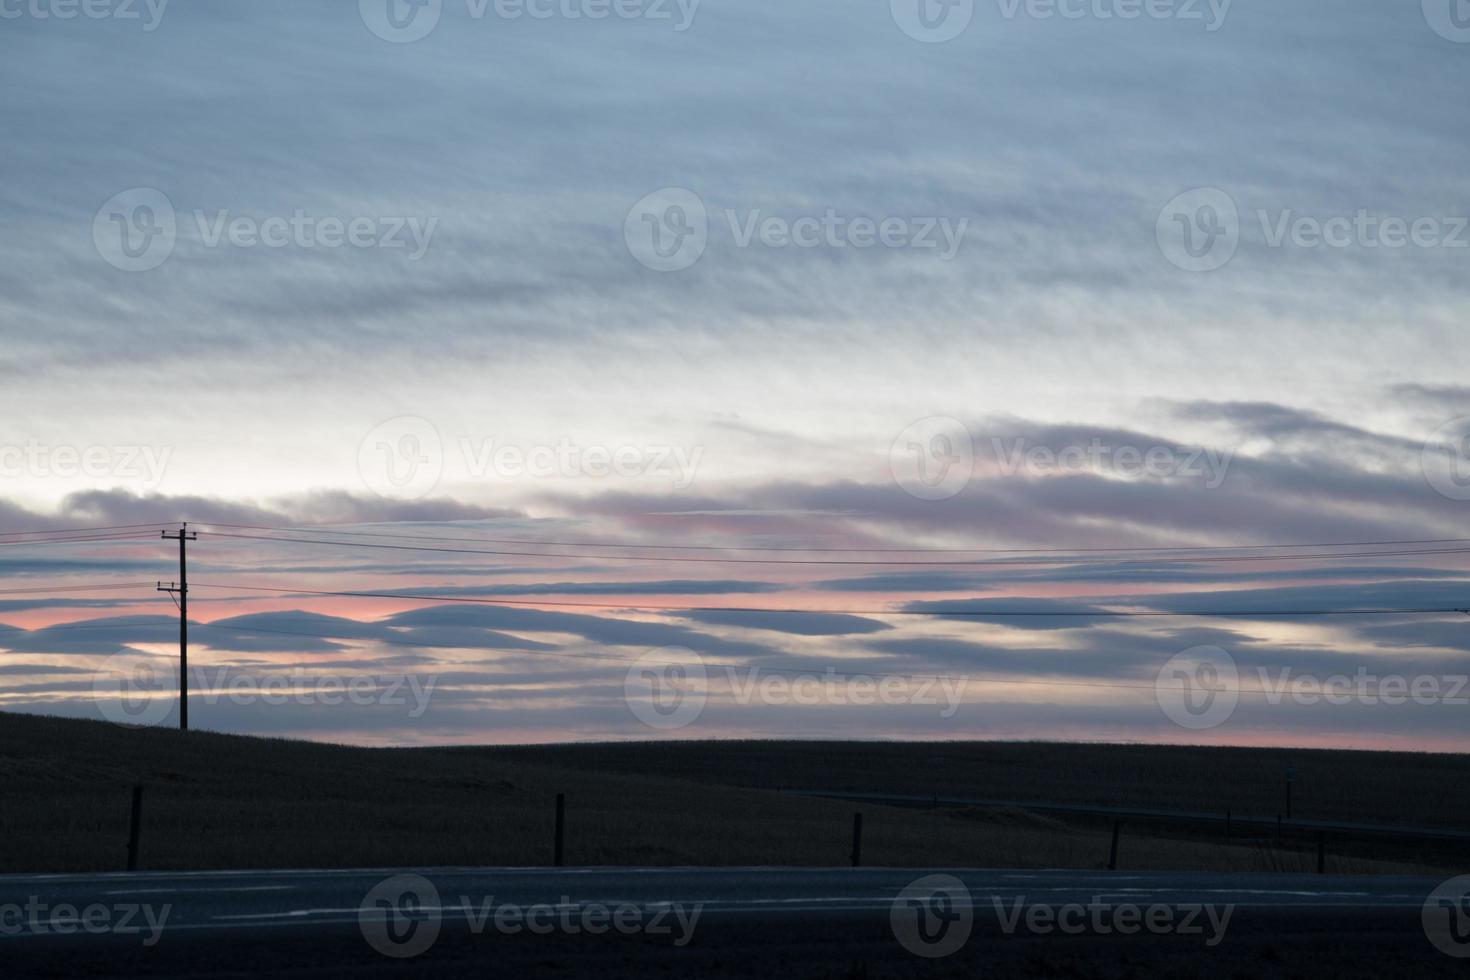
[(1321, 852), (561, 828), (135, 827), (1113, 851), (857, 840)]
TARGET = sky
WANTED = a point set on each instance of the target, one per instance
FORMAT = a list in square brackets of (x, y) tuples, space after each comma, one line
[(893, 349)]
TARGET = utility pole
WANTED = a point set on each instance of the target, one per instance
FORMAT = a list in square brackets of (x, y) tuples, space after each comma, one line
[(180, 590)]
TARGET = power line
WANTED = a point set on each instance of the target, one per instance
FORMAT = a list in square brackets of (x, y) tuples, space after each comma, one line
[(820, 550), (81, 530), (977, 613), (47, 590), (87, 626), (983, 563), (120, 537)]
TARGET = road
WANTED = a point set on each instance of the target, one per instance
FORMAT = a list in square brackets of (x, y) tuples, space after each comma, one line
[(703, 922)]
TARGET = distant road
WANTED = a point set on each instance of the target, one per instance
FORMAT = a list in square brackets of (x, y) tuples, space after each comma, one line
[(230, 922)]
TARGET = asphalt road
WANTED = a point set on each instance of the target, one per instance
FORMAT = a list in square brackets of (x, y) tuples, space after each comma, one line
[(712, 922)]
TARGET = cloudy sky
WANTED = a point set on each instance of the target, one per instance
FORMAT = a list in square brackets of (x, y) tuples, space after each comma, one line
[(1050, 363)]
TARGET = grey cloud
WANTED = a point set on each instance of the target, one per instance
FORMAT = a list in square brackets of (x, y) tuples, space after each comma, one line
[(800, 623)]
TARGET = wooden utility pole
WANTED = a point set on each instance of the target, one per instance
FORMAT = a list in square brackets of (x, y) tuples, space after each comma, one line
[(180, 591)]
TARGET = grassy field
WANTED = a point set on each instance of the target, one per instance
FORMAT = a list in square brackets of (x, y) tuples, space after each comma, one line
[(1386, 787), (225, 801)]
